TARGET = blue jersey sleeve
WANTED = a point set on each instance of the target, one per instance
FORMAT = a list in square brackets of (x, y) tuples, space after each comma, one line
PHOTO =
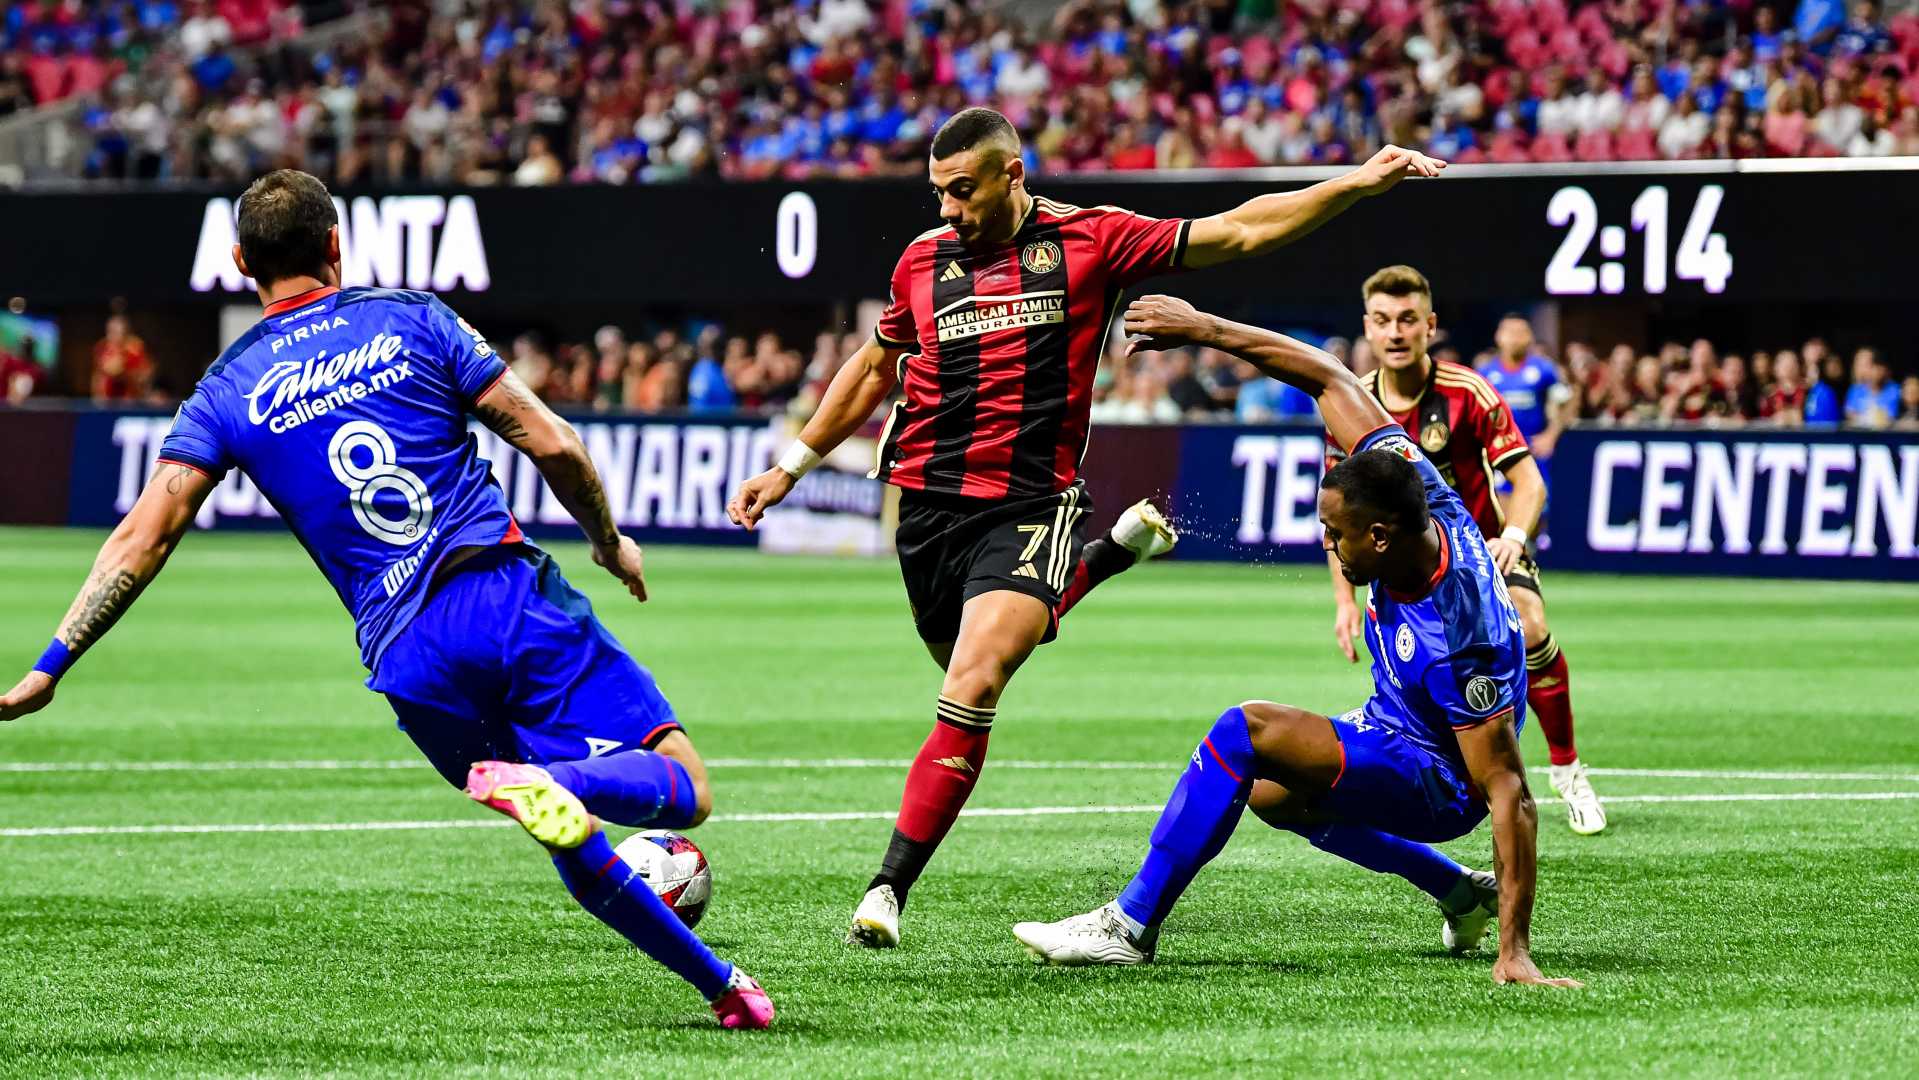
[(198, 437), (1393, 438), (475, 366), (1470, 687)]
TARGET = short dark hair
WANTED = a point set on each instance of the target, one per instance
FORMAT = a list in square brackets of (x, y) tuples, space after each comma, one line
[(284, 218), (969, 128), (1383, 486), (1399, 281)]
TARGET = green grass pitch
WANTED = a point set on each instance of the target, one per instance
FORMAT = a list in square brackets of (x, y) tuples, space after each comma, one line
[(1756, 934)]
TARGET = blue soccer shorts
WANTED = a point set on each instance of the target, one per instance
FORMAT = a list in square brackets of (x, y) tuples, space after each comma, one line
[(1397, 786), (506, 662)]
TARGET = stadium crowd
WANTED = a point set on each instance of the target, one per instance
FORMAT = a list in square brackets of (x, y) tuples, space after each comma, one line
[(703, 367), (623, 91), (1788, 387)]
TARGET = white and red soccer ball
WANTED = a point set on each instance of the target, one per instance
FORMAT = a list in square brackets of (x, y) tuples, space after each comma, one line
[(674, 867)]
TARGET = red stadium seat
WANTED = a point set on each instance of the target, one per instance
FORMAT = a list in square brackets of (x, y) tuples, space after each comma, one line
[(1551, 148), (1640, 144), (1594, 146), (1509, 148)]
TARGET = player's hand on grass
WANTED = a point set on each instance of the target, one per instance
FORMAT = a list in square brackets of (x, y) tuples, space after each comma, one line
[(29, 695), (1520, 969), (1391, 165), (1346, 631), (624, 561), (758, 495), (1154, 323), (1505, 554)]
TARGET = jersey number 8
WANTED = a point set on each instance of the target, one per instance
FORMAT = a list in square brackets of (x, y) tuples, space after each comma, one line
[(382, 473)]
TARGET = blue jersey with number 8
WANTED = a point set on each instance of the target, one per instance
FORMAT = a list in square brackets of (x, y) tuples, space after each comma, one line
[(348, 411)]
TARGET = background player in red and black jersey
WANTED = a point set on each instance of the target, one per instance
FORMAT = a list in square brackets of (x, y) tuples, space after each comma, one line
[(993, 336), (1467, 430)]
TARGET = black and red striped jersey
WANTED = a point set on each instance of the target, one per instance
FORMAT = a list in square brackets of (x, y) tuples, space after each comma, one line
[(1466, 430), (997, 386)]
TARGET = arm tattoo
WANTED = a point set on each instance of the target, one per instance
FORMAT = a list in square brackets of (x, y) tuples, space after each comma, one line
[(574, 480), (177, 479), (114, 591), (592, 499), (502, 423)]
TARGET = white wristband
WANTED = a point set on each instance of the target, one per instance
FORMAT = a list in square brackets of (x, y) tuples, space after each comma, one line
[(798, 460), (1516, 534)]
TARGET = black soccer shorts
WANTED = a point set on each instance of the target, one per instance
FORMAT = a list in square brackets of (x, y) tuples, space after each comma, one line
[(1525, 574), (953, 549)]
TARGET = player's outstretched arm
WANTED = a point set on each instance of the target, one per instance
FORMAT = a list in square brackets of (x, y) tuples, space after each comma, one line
[(516, 414), (130, 558), (1272, 221), (1165, 322), (1523, 506), (859, 386), (1491, 750), (1346, 621)]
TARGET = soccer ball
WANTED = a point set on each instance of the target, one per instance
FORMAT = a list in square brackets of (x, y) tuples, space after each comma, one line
[(674, 866)]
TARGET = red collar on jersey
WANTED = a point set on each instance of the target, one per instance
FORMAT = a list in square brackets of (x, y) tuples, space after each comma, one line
[(320, 292), (1445, 564)]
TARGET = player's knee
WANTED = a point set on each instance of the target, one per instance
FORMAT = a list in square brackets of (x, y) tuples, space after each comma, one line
[(1265, 722), (1532, 616), (974, 681), (702, 802)]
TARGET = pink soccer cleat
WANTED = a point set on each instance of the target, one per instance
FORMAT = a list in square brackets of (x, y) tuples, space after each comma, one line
[(529, 795), (744, 1005)]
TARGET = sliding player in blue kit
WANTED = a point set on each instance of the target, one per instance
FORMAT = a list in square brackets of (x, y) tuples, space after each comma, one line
[(1423, 761), (348, 409)]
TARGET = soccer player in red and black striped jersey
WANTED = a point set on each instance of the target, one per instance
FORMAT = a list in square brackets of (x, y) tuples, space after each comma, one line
[(1467, 430), (993, 336)]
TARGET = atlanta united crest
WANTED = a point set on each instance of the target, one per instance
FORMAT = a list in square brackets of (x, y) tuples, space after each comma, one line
[(1040, 256), (1433, 436)]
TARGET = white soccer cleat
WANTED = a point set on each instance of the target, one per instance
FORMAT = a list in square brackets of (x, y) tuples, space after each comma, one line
[(876, 922), (1144, 531), (1100, 936), (1464, 931), (1583, 811)]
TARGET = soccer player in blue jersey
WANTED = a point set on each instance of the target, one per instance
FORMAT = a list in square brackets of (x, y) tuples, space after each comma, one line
[(1425, 760), (348, 410), (1530, 385)]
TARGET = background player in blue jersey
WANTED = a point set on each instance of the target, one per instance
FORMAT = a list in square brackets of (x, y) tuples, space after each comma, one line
[(348, 410), (1430, 753), (1530, 385)]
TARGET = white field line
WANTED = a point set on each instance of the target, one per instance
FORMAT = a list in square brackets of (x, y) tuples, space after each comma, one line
[(1168, 766), (843, 815)]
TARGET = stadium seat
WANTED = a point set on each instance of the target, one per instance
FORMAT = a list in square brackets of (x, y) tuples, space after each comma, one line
[(1638, 144), (1549, 147), (1593, 146)]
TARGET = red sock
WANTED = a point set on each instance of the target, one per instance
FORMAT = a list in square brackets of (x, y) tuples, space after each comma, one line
[(1076, 590), (937, 787), (1099, 560), (941, 779), (1549, 692)]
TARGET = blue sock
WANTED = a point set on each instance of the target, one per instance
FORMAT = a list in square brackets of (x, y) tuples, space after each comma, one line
[(609, 889), (1197, 821), (639, 788), (1433, 873)]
